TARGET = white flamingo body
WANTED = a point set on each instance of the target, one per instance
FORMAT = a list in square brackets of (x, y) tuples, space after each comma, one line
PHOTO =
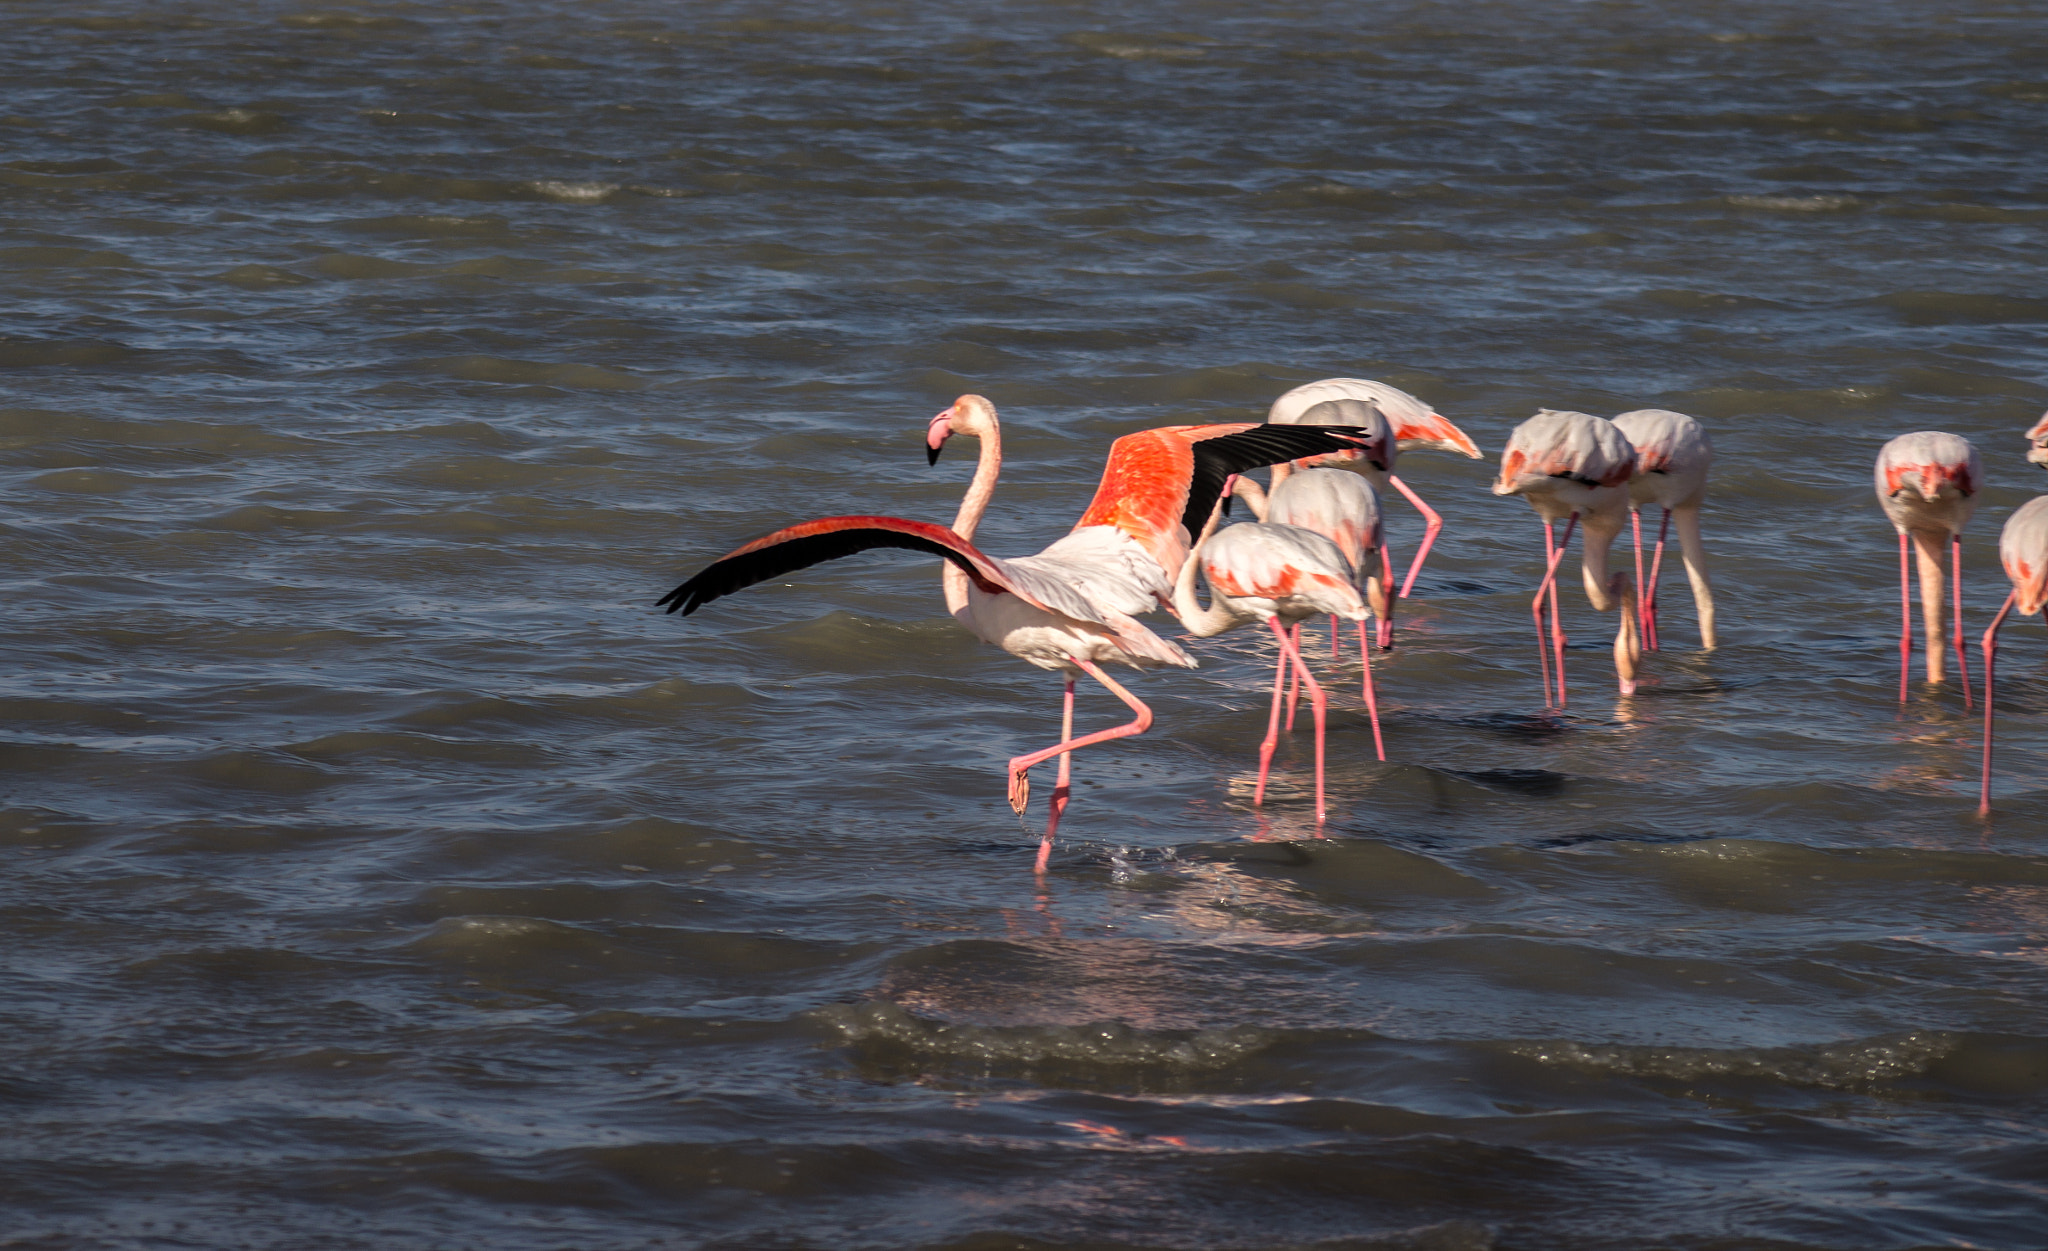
[(1673, 455), (2023, 550), (1575, 467), (1566, 462), (1342, 507), (1081, 597), (1928, 481), (1260, 570), (1416, 425), (1411, 423), (1927, 484)]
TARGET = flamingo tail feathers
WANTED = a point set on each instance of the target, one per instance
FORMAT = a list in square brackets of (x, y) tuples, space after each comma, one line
[(1433, 432)]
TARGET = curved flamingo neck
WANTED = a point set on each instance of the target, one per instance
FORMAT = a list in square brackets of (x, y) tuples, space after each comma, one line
[(984, 427), (1201, 622)]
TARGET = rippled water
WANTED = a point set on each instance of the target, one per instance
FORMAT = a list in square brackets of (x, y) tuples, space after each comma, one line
[(384, 871)]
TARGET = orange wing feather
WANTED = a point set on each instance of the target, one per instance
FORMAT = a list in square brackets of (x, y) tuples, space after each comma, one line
[(1144, 487)]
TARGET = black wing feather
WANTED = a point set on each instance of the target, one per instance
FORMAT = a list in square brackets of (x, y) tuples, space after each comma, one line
[(1216, 459), (736, 573)]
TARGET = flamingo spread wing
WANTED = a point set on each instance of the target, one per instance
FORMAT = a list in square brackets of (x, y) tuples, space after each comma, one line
[(813, 542), (1160, 485)]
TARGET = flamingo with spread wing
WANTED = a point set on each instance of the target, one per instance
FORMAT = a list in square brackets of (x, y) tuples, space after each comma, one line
[(1071, 608)]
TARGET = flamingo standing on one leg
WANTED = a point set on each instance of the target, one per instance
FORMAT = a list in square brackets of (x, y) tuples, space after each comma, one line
[(1070, 607), (1927, 483), (1673, 454), (2023, 550), (1281, 575), (1574, 467), (1415, 426)]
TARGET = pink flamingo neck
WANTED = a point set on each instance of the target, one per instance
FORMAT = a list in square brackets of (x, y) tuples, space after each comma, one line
[(984, 427)]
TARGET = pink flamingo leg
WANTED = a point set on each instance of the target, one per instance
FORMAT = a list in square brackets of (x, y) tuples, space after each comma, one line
[(1656, 572), (1635, 520), (1063, 787), (1372, 701), (1315, 696), (1905, 622), (1991, 664), (1386, 626), (1556, 626), (1554, 552), (1536, 608), (1955, 550), (1020, 766), (1272, 738), (1432, 524), (1293, 681)]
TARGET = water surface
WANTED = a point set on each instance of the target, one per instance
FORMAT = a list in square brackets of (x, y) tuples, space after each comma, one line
[(383, 871)]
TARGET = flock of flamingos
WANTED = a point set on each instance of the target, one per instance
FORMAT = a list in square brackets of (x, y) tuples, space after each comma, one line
[(1318, 547)]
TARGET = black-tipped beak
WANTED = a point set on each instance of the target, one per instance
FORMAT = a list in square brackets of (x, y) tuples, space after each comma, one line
[(1226, 505), (931, 455)]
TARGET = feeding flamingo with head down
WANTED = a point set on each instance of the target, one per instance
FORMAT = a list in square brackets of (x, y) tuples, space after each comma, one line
[(1281, 575), (1673, 454), (1574, 467), (2023, 550), (1343, 508), (1415, 426), (1927, 483), (1070, 608)]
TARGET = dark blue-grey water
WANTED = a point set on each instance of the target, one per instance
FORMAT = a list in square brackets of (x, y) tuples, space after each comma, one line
[(379, 869)]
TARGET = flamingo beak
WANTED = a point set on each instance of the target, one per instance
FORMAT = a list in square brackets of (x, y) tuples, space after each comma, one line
[(1229, 489), (935, 437)]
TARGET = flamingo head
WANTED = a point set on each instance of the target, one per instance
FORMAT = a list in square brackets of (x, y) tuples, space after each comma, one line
[(970, 415), (2038, 437)]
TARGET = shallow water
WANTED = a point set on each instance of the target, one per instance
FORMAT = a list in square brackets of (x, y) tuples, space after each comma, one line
[(384, 871)]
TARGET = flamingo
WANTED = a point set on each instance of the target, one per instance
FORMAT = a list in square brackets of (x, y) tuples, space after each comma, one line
[(2037, 442), (1343, 508), (1574, 467), (2023, 550), (1927, 482), (1280, 575), (1672, 457), (1069, 608), (1415, 426)]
